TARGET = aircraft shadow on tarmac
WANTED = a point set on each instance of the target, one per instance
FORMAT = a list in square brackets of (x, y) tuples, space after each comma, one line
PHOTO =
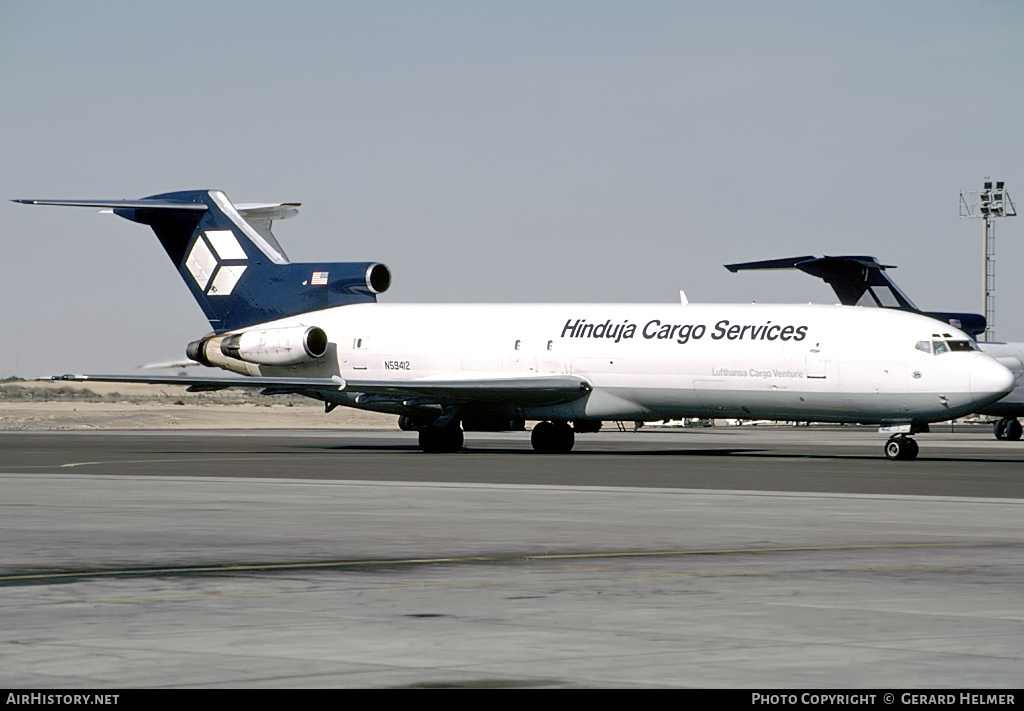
[(527, 452), (742, 452)]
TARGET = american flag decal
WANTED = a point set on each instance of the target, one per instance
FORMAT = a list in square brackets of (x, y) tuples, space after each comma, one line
[(319, 278)]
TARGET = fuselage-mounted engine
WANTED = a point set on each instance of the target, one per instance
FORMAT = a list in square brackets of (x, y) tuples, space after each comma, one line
[(274, 346)]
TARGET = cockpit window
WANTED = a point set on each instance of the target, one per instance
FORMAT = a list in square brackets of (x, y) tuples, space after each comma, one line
[(937, 347)]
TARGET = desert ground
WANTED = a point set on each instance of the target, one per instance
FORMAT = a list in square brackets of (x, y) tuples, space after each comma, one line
[(40, 405)]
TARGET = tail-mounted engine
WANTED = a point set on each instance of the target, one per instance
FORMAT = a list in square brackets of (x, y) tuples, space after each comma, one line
[(275, 346)]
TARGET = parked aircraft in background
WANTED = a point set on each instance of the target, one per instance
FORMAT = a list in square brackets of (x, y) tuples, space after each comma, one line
[(862, 281), (317, 329)]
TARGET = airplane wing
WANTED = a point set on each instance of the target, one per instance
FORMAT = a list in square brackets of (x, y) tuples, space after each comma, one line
[(523, 390), (204, 383), (520, 390)]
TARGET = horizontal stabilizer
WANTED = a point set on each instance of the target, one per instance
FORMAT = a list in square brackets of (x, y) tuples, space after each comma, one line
[(786, 263), (818, 266), (143, 204), (262, 215)]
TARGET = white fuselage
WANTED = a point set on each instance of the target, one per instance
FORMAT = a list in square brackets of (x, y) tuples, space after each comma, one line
[(654, 361)]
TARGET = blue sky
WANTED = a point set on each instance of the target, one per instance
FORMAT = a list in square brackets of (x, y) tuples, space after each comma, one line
[(503, 151)]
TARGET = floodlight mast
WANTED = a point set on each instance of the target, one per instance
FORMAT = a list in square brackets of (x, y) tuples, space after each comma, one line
[(988, 203)]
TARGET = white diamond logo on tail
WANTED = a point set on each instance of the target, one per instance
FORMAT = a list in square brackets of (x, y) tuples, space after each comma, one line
[(225, 281), (201, 263), (225, 244)]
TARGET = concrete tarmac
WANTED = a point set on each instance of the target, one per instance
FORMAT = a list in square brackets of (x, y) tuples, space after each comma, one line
[(754, 558)]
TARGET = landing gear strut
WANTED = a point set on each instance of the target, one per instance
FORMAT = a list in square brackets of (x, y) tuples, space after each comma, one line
[(901, 447), (1008, 428), (552, 438)]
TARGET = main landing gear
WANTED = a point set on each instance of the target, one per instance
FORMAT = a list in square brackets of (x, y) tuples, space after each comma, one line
[(1008, 428), (553, 438), (556, 437), (901, 447), (441, 440)]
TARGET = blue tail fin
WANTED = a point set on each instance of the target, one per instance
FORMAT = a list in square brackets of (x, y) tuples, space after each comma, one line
[(232, 263)]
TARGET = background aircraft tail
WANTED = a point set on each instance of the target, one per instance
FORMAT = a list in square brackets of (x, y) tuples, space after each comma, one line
[(232, 263), (862, 281)]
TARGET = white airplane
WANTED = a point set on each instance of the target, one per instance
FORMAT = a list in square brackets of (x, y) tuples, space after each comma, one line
[(316, 329), (861, 280)]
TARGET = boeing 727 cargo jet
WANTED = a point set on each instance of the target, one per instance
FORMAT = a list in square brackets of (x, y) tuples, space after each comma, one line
[(317, 329)]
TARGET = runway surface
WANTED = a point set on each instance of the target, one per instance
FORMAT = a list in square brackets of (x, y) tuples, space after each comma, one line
[(730, 557)]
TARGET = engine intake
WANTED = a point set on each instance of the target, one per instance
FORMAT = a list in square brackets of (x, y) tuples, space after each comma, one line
[(378, 278)]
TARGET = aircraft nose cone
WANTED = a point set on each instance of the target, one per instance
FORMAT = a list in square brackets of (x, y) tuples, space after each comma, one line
[(990, 380)]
